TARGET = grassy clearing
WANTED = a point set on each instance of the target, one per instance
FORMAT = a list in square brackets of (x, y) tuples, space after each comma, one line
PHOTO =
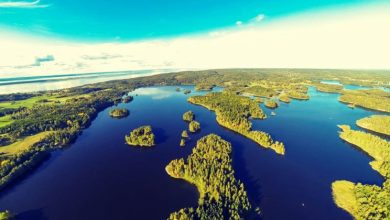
[(23, 144), (5, 120)]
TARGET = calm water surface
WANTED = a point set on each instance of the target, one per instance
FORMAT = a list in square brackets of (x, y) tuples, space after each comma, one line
[(100, 177)]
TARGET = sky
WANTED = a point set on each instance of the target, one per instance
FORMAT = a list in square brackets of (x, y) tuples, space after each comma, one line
[(71, 36)]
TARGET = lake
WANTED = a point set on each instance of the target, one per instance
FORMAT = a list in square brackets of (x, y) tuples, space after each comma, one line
[(100, 177)]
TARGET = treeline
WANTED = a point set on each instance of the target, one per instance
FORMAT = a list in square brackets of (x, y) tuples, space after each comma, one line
[(378, 100), (233, 112), (376, 123), (366, 201), (221, 195), (119, 112), (142, 136), (329, 88)]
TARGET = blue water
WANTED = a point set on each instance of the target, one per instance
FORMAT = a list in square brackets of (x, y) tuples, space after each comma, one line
[(100, 177), (353, 87)]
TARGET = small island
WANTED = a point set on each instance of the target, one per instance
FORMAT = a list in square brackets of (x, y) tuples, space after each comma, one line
[(221, 195), (328, 88), (188, 116), (270, 103), (142, 136), (119, 113), (187, 91), (194, 126)]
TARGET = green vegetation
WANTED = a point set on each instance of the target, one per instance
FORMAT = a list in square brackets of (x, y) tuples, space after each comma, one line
[(329, 88), (284, 98), (376, 147), (188, 116), (221, 195), (233, 112), (187, 91), (297, 95), (194, 126), (142, 136), (182, 142), (119, 113), (378, 100), (24, 144), (366, 201), (376, 123), (204, 87), (270, 103), (184, 134), (5, 215), (260, 91)]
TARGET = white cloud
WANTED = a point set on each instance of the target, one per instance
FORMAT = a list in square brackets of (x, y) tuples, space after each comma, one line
[(22, 4), (258, 18), (354, 38)]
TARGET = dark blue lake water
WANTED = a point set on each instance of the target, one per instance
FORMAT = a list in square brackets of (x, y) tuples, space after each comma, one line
[(100, 177)]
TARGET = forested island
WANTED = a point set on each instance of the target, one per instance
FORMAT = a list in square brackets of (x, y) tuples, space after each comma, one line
[(233, 112), (376, 123), (142, 136), (221, 195), (366, 201), (270, 103), (194, 126), (188, 116), (119, 113)]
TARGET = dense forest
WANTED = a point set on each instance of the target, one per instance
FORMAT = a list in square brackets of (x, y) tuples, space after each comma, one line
[(194, 126), (119, 113), (233, 112), (65, 113), (221, 195), (270, 103), (366, 201), (142, 136), (188, 116), (375, 99), (376, 123), (329, 88)]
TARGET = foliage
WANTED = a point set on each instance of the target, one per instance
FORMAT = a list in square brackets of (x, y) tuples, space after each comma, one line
[(270, 103), (203, 87), (371, 99), (366, 201), (182, 142), (119, 113), (376, 147), (188, 116), (142, 136), (376, 123), (5, 215), (184, 134), (194, 126), (209, 168), (260, 91), (329, 88), (187, 91), (284, 98), (233, 112)]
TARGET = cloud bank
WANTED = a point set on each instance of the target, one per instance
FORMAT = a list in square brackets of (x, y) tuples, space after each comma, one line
[(22, 4), (353, 38)]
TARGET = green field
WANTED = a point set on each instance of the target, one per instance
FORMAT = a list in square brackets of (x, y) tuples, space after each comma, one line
[(23, 144)]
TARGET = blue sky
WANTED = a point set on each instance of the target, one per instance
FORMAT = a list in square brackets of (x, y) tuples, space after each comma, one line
[(44, 37), (102, 20)]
